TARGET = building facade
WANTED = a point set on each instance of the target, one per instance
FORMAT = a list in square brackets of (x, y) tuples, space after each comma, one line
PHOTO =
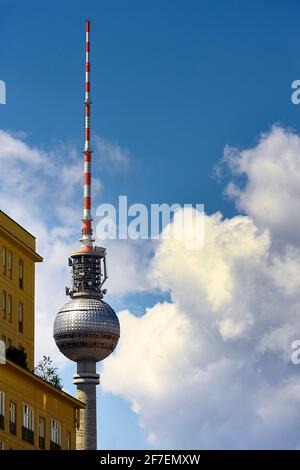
[(17, 279), (33, 413)]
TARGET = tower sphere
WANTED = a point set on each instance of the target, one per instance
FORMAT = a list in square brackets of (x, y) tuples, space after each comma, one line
[(86, 329)]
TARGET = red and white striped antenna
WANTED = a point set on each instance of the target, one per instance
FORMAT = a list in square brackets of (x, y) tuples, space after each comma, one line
[(87, 232)]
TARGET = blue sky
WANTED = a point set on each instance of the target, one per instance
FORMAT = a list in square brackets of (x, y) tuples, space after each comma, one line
[(173, 83)]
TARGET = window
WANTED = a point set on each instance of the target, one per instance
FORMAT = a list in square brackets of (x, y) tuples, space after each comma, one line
[(28, 417), (68, 441), (42, 433), (2, 352), (77, 418), (4, 304), (12, 418), (9, 264), (28, 424), (9, 308), (2, 409), (55, 441), (21, 273), (3, 260), (20, 317), (2, 446)]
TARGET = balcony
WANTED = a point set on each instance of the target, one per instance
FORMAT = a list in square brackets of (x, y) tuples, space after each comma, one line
[(41, 442), (54, 446), (12, 428), (27, 435)]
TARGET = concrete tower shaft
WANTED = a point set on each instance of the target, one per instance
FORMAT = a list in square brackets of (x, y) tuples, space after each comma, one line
[(86, 380)]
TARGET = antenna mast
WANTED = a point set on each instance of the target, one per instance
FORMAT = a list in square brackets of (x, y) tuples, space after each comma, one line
[(87, 232)]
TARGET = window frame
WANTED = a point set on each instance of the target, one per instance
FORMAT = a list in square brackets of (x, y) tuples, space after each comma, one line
[(28, 416), (21, 273), (3, 260), (55, 434), (13, 417), (42, 435), (9, 263), (4, 304), (2, 410), (21, 317), (28, 423), (9, 307), (69, 440)]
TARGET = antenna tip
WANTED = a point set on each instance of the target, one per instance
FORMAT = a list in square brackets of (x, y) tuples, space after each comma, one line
[(88, 25)]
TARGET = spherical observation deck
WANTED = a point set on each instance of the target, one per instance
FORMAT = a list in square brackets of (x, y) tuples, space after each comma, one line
[(85, 329)]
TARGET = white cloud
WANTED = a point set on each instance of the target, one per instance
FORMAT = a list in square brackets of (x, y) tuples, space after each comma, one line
[(160, 332), (12, 147), (127, 262), (112, 155), (41, 190), (211, 368), (271, 193)]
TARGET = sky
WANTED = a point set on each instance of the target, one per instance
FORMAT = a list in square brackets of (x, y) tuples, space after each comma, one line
[(191, 104)]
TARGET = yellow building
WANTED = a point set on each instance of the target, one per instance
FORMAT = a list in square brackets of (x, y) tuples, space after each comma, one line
[(33, 413)]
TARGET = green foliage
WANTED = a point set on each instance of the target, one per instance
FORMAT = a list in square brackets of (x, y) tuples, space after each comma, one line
[(48, 372), (17, 355)]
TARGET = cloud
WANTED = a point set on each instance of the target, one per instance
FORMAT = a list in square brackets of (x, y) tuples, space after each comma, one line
[(41, 190), (270, 193), (111, 154), (128, 266), (211, 368), (12, 147)]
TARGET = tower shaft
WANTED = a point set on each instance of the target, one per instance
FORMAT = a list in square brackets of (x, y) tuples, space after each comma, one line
[(86, 381), (87, 232)]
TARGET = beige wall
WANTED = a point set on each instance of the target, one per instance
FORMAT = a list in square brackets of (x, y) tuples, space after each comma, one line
[(22, 246), (22, 387)]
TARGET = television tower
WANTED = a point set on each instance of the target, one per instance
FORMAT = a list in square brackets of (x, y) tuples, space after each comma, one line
[(86, 329)]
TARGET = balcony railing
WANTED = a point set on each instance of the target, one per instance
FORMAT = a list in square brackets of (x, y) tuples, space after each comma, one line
[(2, 422), (27, 435), (41, 442), (54, 446), (12, 428)]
